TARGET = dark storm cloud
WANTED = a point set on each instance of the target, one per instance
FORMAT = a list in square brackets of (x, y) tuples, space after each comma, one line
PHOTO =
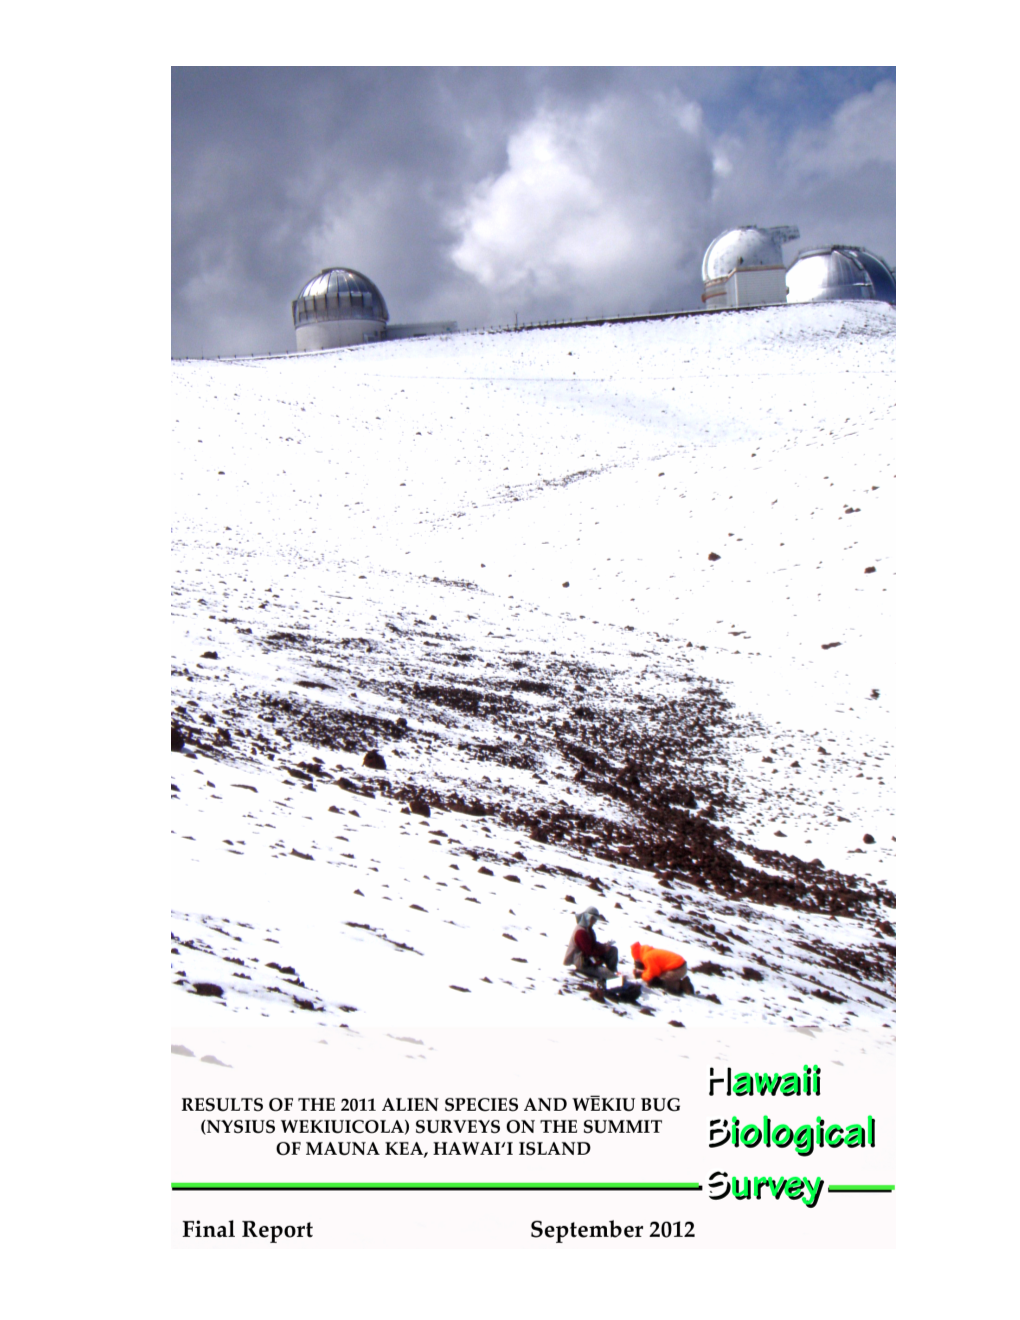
[(475, 194)]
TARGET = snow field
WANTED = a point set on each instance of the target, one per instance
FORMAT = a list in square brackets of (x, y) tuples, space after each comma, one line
[(352, 524)]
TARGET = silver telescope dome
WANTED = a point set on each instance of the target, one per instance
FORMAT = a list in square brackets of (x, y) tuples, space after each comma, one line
[(338, 307), (745, 247), (337, 294), (840, 272)]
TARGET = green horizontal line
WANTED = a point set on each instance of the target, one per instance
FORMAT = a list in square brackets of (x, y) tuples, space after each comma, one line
[(864, 1187), (431, 1187)]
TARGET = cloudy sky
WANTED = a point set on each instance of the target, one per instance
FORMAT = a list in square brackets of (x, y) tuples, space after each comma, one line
[(475, 194)]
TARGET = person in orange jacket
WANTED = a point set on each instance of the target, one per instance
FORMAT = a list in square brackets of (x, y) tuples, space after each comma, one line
[(660, 967)]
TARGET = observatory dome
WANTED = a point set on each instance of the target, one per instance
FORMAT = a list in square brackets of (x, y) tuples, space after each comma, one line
[(840, 272), (338, 307), (744, 267), (746, 246)]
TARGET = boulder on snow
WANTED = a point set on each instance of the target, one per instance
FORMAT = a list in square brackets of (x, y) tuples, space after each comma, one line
[(374, 761)]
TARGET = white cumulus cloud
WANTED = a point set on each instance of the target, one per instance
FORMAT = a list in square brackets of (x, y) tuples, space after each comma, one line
[(588, 203), (861, 132)]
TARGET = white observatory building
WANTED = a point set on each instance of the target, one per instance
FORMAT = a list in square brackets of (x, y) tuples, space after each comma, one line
[(840, 272), (338, 307), (744, 267)]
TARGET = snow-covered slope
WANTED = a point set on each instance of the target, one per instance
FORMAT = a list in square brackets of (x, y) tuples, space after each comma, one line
[(614, 603)]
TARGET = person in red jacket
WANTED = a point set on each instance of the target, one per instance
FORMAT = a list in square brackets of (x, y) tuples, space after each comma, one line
[(660, 967), (585, 953)]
